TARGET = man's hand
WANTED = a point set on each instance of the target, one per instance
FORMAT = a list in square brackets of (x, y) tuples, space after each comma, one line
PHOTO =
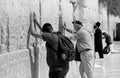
[(69, 30), (63, 56), (64, 26)]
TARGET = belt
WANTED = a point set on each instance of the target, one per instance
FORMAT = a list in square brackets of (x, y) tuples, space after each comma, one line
[(85, 50)]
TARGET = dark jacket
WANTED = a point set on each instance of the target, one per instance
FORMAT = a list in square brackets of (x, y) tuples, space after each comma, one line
[(98, 40)]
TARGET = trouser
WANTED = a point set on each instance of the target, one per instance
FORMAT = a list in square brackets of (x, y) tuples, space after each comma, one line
[(100, 52), (106, 49), (87, 64), (59, 72)]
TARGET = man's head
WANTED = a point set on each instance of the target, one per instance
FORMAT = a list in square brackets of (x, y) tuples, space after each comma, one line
[(47, 27), (104, 33), (97, 25), (77, 25)]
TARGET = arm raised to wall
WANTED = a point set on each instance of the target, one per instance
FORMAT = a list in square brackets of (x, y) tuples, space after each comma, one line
[(32, 28), (36, 22)]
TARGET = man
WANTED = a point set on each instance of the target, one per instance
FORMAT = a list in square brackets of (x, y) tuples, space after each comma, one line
[(98, 40), (57, 67), (84, 45), (108, 43)]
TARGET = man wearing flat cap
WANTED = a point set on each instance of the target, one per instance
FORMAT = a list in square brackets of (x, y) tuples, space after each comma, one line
[(84, 46)]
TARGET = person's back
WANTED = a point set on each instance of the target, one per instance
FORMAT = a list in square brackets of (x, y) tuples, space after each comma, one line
[(108, 41), (85, 41), (107, 38), (51, 45)]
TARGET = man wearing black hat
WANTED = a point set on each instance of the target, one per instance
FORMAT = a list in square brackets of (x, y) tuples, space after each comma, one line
[(84, 46), (98, 40)]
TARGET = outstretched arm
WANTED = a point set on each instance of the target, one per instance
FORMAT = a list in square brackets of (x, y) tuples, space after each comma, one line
[(32, 28), (36, 22), (69, 30)]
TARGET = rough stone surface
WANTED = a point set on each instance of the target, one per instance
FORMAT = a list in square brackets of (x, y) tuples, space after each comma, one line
[(15, 60), (90, 13), (15, 65)]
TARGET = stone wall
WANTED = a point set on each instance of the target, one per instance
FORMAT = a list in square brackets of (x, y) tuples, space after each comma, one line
[(14, 23), (108, 22), (103, 17), (17, 61), (14, 18), (15, 64), (90, 13), (112, 24)]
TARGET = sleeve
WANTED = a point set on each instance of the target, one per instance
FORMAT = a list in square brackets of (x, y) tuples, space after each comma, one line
[(46, 37), (76, 36)]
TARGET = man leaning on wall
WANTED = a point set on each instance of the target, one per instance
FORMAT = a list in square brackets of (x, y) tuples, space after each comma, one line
[(84, 46), (57, 68)]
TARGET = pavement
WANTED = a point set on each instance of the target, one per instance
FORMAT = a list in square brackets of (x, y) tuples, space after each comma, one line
[(109, 67)]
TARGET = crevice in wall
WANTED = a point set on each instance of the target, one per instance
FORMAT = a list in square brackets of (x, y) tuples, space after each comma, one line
[(1, 38), (8, 35)]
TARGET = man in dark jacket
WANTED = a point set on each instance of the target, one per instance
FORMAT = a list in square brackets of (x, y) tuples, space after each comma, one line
[(57, 67), (98, 40)]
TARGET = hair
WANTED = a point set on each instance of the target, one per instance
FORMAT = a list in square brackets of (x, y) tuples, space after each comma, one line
[(47, 27)]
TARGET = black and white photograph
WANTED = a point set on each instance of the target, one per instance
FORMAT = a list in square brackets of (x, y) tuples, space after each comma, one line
[(59, 38)]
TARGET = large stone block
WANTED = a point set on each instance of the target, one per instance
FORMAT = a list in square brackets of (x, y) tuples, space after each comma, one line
[(15, 22), (15, 64), (14, 26), (91, 13)]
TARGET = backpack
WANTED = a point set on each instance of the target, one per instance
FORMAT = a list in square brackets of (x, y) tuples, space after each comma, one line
[(65, 46)]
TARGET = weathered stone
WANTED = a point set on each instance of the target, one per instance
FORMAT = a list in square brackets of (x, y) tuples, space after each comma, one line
[(15, 64), (15, 60)]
